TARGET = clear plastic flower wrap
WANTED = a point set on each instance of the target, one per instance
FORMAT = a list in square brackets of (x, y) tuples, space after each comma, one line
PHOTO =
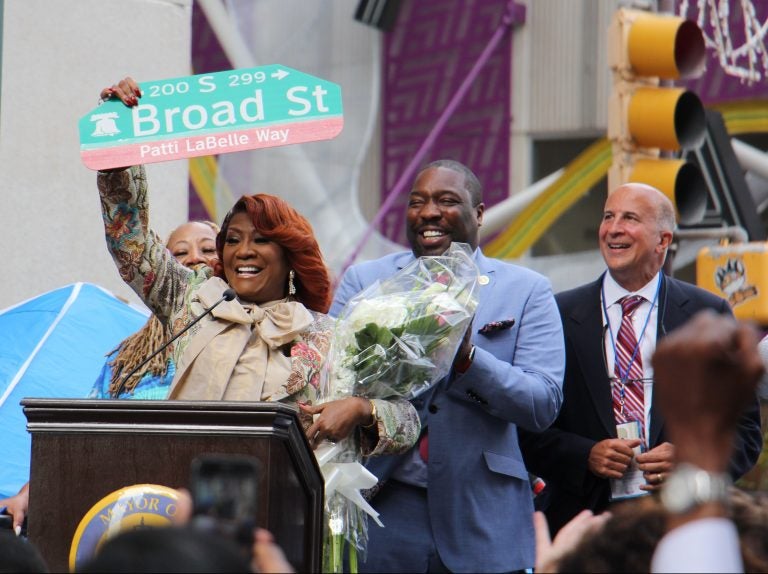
[(400, 335), (346, 511)]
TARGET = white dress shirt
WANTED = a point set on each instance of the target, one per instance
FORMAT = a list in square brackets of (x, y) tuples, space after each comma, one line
[(613, 293)]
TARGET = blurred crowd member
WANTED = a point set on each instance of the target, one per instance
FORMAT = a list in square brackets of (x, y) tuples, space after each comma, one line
[(610, 441), (749, 511), (168, 549), (706, 373), (762, 389), (627, 539), (267, 555), (19, 555), (550, 553), (184, 549), (624, 542)]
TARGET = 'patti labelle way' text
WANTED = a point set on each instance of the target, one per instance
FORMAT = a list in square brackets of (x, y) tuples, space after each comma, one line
[(208, 143)]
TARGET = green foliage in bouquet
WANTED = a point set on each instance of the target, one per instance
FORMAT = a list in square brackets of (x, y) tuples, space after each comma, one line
[(396, 355)]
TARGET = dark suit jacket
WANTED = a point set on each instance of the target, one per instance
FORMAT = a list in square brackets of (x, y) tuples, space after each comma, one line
[(559, 455)]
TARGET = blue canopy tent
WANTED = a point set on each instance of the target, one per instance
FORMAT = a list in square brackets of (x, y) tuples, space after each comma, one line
[(53, 346)]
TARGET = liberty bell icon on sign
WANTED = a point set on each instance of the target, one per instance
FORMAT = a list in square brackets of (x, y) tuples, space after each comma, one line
[(105, 124)]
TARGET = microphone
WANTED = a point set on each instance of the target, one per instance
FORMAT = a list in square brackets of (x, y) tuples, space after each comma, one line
[(228, 295)]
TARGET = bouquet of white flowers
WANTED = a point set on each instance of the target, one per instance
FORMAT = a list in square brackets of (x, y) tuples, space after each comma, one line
[(399, 336), (395, 339)]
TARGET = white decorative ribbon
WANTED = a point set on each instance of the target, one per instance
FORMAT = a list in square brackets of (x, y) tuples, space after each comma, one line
[(346, 478)]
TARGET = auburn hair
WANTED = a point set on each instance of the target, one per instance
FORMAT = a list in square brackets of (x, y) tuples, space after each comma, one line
[(277, 221)]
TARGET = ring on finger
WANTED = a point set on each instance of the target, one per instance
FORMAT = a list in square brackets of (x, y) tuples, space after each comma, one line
[(659, 478)]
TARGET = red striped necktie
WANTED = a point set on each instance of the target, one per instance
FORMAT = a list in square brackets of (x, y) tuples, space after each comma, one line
[(628, 392)]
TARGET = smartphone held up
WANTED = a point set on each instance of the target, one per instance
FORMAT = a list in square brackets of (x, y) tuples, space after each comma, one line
[(225, 495)]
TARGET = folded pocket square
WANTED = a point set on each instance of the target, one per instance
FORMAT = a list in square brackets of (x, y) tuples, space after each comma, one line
[(495, 326)]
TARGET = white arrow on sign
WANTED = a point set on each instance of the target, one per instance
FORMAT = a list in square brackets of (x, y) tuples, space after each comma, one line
[(280, 74)]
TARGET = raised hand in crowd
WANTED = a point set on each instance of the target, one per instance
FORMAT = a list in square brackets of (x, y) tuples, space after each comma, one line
[(706, 373), (549, 551)]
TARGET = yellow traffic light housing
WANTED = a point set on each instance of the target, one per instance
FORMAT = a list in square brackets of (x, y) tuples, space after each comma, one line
[(660, 45), (665, 118), (649, 122)]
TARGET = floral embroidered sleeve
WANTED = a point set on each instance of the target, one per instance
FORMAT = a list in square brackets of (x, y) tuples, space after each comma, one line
[(140, 256), (398, 425), (308, 356), (398, 428)]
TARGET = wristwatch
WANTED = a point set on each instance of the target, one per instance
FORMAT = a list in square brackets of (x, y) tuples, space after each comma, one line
[(689, 486)]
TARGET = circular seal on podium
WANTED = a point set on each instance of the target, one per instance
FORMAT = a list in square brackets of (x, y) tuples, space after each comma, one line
[(129, 508)]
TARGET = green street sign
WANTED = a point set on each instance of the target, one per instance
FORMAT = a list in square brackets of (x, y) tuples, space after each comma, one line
[(211, 114)]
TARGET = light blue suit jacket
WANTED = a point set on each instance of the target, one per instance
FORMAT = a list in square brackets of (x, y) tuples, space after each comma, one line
[(479, 498)]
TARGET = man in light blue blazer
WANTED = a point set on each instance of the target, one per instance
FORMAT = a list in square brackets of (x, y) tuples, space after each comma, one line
[(464, 503)]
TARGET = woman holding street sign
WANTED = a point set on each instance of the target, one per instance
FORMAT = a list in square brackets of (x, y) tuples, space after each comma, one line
[(257, 324)]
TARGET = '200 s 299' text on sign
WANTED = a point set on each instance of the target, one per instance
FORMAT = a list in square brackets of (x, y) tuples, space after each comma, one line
[(212, 114)]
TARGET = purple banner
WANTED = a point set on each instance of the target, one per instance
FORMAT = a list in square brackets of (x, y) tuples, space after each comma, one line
[(432, 47), (715, 85)]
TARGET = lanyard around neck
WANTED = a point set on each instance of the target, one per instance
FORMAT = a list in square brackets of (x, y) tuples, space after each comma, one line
[(623, 377)]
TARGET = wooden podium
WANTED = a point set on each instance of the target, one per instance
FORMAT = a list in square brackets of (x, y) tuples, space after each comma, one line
[(83, 450)]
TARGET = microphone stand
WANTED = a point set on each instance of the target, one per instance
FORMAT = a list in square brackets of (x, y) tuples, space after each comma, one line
[(228, 295)]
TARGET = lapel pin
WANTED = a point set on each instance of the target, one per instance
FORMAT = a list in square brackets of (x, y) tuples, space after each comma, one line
[(483, 280)]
